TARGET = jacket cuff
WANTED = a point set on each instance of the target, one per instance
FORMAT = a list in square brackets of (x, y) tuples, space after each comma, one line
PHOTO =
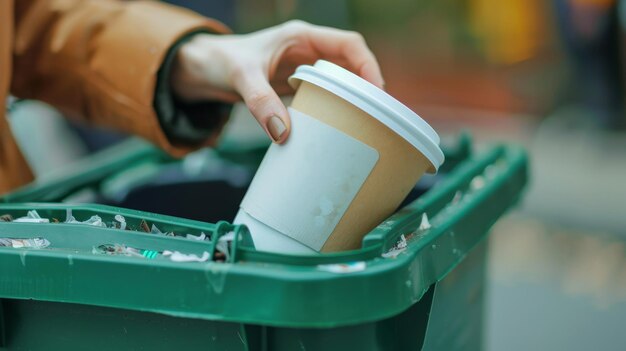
[(186, 123)]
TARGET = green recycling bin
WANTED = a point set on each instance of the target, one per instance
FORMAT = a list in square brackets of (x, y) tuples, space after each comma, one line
[(415, 284)]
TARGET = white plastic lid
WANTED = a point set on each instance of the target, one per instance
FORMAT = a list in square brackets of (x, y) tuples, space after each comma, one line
[(375, 102)]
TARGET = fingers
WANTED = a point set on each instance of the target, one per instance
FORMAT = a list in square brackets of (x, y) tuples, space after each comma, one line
[(340, 45), (360, 58), (264, 103)]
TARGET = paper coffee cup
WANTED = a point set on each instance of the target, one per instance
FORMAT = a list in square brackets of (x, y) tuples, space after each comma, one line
[(353, 155)]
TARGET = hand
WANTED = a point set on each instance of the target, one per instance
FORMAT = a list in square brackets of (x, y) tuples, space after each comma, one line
[(254, 67)]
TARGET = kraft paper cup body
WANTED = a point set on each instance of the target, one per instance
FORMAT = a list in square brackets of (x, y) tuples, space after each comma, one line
[(406, 147)]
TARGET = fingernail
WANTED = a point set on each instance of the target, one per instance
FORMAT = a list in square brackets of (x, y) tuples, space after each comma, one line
[(276, 127)]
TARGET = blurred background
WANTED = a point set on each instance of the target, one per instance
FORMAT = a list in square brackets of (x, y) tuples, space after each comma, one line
[(547, 74)]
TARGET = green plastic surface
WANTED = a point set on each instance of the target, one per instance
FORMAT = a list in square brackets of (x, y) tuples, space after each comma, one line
[(257, 287)]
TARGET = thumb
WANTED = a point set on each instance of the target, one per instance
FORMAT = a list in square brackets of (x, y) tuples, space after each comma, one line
[(264, 104)]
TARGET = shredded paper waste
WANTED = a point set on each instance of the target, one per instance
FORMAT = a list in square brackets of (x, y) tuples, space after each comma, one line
[(119, 249), (119, 222), (27, 243), (425, 224), (403, 241), (180, 257), (32, 217)]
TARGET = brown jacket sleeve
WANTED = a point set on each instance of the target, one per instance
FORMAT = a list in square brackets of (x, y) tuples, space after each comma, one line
[(98, 59)]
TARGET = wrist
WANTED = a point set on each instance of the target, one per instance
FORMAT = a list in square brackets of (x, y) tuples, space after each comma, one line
[(187, 70), (200, 70)]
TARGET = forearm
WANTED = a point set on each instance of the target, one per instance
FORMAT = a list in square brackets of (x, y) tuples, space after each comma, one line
[(99, 59)]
